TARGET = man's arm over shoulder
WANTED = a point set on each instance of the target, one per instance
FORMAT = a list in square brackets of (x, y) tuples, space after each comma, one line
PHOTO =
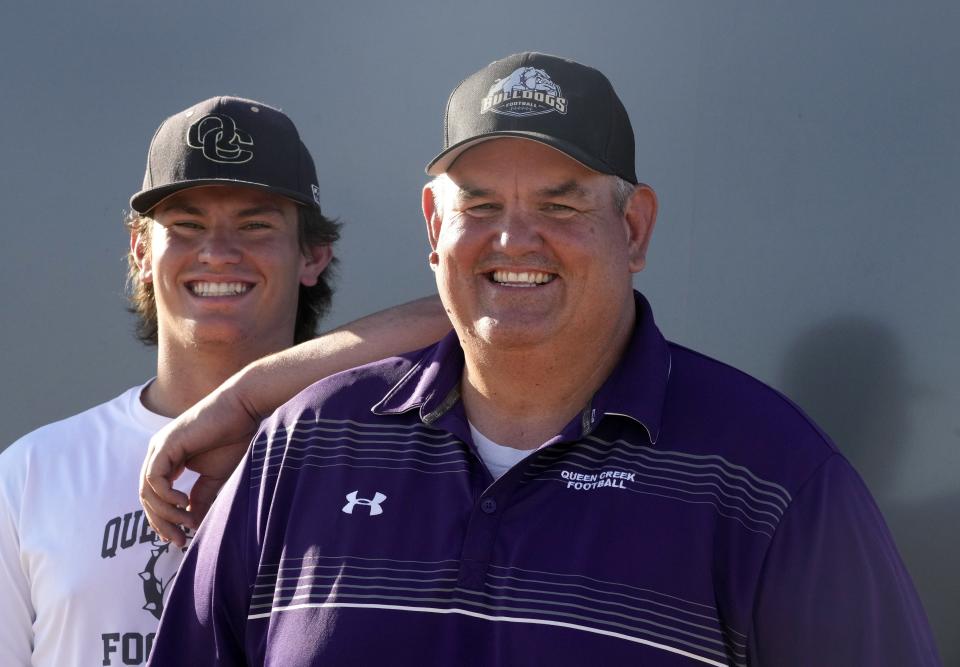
[(266, 384), (214, 433), (833, 590)]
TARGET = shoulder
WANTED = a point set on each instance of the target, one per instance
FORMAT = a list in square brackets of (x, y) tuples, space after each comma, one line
[(61, 437), (351, 392), (730, 391), (349, 395), (338, 402), (718, 409)]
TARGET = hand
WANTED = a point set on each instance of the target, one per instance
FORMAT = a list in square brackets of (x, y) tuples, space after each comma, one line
[(209, 438)]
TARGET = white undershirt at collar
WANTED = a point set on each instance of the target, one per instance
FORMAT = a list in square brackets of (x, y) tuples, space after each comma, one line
[(498, 458)]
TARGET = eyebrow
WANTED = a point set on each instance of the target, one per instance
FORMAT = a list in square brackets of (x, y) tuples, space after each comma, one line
[(467, 192), (245, 213), (181, 208), (259, 210), (569, 188)]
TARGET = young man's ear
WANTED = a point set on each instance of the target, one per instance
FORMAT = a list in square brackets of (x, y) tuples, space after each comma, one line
[(141, 255), (640, 216), (315, 260)]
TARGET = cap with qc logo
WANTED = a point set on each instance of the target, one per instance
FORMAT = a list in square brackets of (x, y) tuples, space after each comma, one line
[(228, 141)]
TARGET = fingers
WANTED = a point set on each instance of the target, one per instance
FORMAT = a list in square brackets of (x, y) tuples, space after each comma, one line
[(161, 486), (168, 510), (169, 519), (162, 503), (165, 518)]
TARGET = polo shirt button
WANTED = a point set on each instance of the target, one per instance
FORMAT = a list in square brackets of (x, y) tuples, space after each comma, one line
[(488, 505)]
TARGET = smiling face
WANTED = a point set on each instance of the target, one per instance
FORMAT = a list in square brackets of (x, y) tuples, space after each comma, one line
[(226, 264), (533, 251)]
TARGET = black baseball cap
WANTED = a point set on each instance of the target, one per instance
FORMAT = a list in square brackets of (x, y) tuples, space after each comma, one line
[(558, 102), (228, 141)]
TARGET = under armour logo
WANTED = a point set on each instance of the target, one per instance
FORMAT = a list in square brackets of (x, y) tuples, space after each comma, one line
[(220, 140), (374, 504)]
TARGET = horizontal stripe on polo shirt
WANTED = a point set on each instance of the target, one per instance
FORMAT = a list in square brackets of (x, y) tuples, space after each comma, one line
[(512, 594)]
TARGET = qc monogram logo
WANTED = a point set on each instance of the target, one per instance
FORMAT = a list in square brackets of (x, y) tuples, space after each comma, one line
[(374, 505), (218, 136)]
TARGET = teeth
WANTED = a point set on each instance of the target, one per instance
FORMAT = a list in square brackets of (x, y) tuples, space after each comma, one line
[(218, 289), (523, 277)]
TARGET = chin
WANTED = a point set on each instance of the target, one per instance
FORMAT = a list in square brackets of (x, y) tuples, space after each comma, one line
[(217, 335), (512, 336)]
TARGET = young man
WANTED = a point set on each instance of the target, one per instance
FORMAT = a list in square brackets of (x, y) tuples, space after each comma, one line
[(554, 482), (230, 260)]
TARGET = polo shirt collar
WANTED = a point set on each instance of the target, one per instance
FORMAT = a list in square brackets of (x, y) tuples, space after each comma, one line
[(432, 384), (635, 389), (638, 384)]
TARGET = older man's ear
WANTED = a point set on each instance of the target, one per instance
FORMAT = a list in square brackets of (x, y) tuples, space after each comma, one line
[(431, 215), (640, 217)]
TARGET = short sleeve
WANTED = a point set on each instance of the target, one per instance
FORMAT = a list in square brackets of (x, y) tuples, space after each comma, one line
[(16, 610), (833, 590), (204, 620)]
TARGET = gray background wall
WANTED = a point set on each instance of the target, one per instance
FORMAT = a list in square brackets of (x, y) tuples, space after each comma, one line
[(806, 155)]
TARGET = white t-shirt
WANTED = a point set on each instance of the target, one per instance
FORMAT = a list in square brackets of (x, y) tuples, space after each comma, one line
[(82, 576), (498, 458)]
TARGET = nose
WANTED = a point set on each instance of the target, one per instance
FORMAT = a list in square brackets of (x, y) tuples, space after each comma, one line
[(518, 234), (219, 247)]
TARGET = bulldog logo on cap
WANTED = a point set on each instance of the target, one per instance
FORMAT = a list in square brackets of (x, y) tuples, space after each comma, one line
[(218, 136), (528, 91)]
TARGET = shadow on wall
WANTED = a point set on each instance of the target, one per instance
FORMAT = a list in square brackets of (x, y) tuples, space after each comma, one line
[(848, 373)]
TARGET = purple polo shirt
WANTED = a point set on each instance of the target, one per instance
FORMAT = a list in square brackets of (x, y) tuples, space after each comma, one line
[(688, 516)]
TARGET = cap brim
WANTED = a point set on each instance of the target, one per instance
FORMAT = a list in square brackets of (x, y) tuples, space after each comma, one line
[(145, 200), (444, 160)]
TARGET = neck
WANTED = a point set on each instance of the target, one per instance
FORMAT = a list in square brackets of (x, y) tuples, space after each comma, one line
[(187, 374), (522, 398)]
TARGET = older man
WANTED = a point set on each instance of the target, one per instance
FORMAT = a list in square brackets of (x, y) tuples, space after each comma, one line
[(554, 483), (229, 261)]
